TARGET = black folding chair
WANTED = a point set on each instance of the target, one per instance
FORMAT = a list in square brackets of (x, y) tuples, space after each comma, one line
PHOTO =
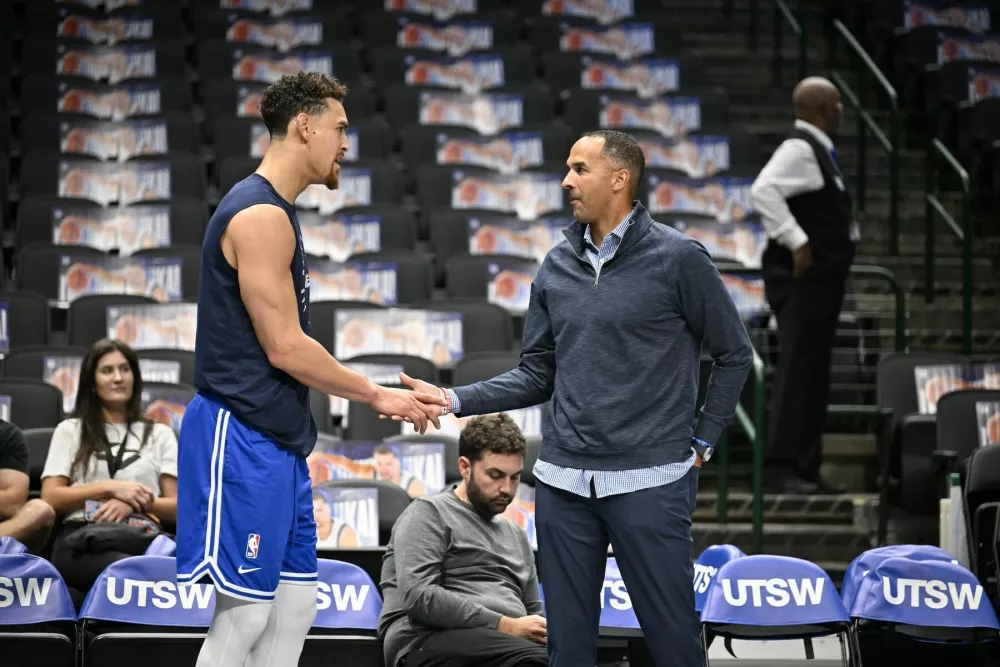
[(392, 500), (33, 403), (28, 317), (486, 327), (451, 473), (88, 316)]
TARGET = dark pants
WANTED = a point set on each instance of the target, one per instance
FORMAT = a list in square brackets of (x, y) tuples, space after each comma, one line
[(80, 570), (650, 531), (477, 647), (807, 309)]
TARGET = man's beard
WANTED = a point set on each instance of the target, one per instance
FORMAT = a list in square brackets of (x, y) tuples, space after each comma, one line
[(485, 506)]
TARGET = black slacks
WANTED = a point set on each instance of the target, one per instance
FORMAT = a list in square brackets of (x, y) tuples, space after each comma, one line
[(807, 309), (477, 647), (650, 531)]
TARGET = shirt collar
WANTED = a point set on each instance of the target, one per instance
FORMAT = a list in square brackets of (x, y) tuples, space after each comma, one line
[(822, 137), (618, 232)]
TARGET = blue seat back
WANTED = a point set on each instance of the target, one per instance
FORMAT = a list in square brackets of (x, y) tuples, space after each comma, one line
[(929, 594), (161, 546), (9, 546), (347, 598), (143, 590), (772, 591), (32, 591), (869, 560), (707, 566)]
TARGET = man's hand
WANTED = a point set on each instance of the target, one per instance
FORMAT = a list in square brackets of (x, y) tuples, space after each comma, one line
[(419, 385), (802, 259), (112, 511), (697, 461), (531, 628), (412, 406)]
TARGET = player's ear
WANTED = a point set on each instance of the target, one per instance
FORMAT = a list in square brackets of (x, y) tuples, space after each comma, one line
[(301, 124)]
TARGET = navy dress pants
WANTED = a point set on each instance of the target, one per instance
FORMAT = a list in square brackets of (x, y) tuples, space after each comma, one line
[(650, 531)]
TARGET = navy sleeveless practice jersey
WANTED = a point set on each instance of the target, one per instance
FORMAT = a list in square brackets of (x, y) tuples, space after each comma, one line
[(230, 364)]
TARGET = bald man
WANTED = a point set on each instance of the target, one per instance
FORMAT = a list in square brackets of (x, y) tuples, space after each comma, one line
[(808, 216)]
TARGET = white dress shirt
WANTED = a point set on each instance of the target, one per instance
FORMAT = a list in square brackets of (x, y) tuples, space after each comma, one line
[(792, 170)]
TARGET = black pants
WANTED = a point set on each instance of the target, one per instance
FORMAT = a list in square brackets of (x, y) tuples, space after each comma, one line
[(807, 310), (80, 570), (477, 647)]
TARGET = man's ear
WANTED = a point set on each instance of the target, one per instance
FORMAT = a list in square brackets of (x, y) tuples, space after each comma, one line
[(463, 465), (620, 180), (301, 124)]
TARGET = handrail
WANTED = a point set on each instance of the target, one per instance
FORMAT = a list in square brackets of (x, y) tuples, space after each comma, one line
[(865, 120), (875, 271), (755, 428), (797, 25), (932, 204), (858, 271)]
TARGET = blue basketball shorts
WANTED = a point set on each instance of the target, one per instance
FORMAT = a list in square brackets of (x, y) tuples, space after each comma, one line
[(244, 507)]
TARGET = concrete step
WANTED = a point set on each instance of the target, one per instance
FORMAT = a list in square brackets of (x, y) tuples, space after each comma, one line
[(827, 510), (815, 543), (984, 269)]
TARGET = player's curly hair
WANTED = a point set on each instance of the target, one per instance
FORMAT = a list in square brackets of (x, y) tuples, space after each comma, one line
[(497, 434), (292, 94)]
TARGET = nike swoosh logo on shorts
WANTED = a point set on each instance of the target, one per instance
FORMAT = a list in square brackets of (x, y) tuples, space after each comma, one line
[(246, 570)]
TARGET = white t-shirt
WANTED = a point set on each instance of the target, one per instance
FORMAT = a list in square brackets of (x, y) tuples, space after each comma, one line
[(143, 464)]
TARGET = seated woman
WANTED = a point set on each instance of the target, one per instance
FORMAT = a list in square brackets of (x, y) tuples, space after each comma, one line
[(108, 463)]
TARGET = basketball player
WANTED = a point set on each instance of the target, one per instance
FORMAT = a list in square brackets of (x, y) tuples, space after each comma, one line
[(245, 511)]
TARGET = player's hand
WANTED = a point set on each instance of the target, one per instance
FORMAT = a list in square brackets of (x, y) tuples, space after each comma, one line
[(411, 406), (802, 259), (697, 461), (134, 494), (419, 385), (112, 511), (532, 628)]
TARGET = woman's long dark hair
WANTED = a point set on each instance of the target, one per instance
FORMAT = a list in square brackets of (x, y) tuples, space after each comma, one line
[(88, 410)]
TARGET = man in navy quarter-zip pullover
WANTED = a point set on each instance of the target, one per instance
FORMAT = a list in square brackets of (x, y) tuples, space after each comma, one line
[(618, 315)]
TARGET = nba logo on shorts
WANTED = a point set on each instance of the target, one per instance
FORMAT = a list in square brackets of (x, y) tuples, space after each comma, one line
[(252, 543)]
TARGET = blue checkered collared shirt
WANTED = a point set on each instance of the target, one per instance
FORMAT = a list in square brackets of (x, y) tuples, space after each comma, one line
[(606, 482)]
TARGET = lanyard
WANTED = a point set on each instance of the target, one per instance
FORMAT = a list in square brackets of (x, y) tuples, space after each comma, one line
[(115, 465)]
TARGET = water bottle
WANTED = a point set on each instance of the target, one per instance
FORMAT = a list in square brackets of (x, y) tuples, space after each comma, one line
[(958, 545)]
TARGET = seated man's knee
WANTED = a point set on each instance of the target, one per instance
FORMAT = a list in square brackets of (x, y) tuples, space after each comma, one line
[(39, 513)]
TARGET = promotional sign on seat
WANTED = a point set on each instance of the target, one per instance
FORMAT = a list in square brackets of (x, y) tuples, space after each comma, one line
[(143, 590), (773, 592), (10, 546), (707, 566), (869, 560), (31, 591), (346, 597), (924, 594), (616, 605)]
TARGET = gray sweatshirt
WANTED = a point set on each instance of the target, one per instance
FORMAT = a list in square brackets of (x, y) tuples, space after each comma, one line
[(447, 568)]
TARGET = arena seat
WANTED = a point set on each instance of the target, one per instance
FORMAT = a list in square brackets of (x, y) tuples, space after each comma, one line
[(38, 626), (809, 606)]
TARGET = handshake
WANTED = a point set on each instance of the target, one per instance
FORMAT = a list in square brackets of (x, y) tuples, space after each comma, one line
[(425, 403)]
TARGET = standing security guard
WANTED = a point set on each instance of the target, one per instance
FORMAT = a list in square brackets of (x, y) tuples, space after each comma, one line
[(806, 210)]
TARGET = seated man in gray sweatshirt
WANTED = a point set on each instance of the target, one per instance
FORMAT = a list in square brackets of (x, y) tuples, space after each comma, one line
[(458, 580)]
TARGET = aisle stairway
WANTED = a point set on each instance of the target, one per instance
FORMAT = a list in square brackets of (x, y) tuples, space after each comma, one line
[(834, 530)]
